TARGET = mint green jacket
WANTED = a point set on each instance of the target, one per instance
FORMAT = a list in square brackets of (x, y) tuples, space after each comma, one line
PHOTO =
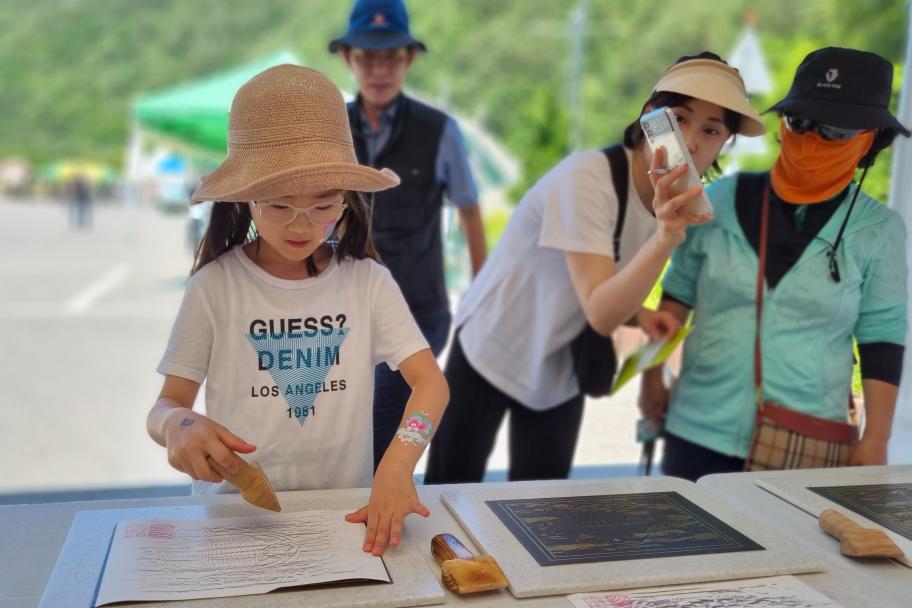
[(808, 319)]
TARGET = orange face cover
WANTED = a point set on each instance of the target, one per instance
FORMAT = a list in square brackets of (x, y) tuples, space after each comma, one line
[(811, 169)]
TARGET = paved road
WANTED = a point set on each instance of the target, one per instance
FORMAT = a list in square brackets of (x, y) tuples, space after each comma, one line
[(86, 315), (86, 318)]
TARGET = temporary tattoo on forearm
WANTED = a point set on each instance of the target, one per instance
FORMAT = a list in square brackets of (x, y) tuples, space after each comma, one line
[(417, 430), (186, 422)]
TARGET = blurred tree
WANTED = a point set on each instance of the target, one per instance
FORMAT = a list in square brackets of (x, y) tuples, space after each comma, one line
[(545, 137), (71, 68)]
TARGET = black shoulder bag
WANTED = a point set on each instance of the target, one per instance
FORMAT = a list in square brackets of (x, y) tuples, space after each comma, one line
[(594, 359)]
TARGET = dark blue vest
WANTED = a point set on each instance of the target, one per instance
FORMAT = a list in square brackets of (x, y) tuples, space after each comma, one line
[(405, 220)]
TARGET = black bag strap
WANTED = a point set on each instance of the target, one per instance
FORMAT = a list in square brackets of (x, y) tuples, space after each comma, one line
[(748, 205), (617, 160)]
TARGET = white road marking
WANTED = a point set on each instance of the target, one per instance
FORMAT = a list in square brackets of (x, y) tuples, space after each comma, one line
[(82, 301)]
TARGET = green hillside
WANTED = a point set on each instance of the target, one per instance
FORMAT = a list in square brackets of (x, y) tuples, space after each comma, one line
[(71, 68)]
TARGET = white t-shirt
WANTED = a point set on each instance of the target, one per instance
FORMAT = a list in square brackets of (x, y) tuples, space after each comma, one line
[(520, 314), (289, 364)]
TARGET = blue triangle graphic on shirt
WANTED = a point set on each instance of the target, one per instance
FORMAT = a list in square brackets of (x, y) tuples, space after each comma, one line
[(298, 364)]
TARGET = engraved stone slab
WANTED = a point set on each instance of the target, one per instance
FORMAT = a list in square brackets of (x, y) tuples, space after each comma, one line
[(612, 527), (872, 497), (482, 521)]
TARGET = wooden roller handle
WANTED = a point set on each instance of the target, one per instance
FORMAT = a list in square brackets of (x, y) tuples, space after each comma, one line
[(245, 476), (252, 482), (855, 540), (836, 524), (446, 546)]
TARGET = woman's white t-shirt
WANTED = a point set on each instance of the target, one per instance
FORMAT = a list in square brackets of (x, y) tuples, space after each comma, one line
[(521, 312), (289, 364)]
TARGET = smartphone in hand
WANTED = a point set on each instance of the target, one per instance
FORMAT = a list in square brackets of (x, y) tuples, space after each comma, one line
[(661, 129)]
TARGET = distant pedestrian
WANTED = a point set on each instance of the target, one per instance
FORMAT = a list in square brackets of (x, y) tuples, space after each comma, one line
[(80, 195)]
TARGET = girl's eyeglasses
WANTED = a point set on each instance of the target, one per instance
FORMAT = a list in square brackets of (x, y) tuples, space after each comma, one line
[(280, 214), (800, 124)]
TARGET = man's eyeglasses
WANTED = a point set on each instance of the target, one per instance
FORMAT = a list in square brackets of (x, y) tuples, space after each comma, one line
[(800, 124), (387, 60), (281, 214)]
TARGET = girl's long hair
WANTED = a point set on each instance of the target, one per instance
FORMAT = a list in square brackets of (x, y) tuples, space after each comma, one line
[(231, 224)]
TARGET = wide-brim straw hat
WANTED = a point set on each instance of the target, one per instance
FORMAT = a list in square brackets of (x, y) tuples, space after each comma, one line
[(288, 133), (717, 83)]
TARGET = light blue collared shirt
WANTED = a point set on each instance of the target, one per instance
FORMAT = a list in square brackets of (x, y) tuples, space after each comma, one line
[(808, 320)]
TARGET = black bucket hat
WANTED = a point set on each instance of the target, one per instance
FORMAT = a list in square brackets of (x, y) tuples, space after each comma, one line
[(377, 25), (843, 88)]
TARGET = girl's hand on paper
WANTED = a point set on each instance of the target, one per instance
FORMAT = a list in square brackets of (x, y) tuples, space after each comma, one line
[(393, 497), (658, 324)]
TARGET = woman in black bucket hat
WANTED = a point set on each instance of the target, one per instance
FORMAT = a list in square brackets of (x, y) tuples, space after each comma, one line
[(835, 270), (844, 88)]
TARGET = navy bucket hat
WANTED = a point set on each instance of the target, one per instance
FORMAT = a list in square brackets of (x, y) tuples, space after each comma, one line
[(377, 25)]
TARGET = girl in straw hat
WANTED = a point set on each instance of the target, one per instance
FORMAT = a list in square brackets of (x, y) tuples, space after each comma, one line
[(570, 256), (287, 313)]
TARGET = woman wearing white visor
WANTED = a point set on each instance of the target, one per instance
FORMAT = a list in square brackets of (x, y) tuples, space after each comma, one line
[(585, 245)]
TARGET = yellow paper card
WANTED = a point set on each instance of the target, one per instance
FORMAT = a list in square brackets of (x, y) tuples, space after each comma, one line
[(649, 355)]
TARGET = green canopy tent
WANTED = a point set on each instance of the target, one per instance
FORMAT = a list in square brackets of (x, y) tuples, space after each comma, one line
[(195, 117), (197, 113)]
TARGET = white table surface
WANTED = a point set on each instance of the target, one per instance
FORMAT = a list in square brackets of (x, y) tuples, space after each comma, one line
[(31, 537), (850, 581)]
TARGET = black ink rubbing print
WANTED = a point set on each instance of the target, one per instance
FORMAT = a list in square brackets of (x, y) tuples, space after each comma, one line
[(587, 529)]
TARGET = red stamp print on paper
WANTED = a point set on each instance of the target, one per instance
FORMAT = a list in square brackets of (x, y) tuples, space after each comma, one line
[(158, 530)]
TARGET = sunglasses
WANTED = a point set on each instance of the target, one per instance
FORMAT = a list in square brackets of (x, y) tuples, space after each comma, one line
[(800, 124)]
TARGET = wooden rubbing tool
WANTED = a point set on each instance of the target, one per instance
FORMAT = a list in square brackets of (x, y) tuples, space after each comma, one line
[(855, 540), (462, 572), (251, 480)]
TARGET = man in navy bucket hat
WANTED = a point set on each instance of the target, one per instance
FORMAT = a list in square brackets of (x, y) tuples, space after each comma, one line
[(424, 147)]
